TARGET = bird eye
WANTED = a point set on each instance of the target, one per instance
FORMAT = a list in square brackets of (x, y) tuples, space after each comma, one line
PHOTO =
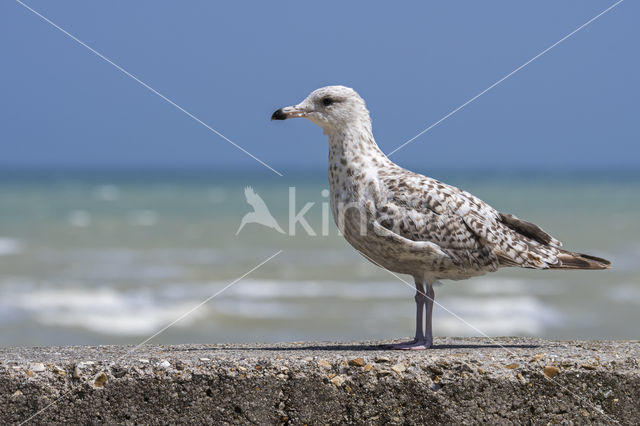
[(327, 101)]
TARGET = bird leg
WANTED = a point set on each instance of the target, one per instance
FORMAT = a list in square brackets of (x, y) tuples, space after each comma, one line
[(422, 298), (430, 298)]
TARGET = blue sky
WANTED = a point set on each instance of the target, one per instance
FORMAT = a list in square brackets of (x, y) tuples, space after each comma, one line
[(232, 64)]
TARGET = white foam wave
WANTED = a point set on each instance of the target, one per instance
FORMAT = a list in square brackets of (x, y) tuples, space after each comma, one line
[(104, 310), (501, 285), (265, 289), (495, 316), (10, 246), (313, 304), (367, 290), (252, 309)]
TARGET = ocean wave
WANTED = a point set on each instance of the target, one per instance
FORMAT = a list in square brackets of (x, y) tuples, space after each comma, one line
[(143, 218), (367, 290), (488, 285), (625, 259), (272, 289), (106, 192), (79, 218), (103, 310), (122, 256), (9, 246), (248, 304), (628, 293), (494, 316), (217, 195)]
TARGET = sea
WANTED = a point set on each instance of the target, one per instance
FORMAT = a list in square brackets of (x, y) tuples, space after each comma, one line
[(125, 257)]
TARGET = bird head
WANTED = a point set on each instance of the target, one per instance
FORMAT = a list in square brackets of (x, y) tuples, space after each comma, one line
[(333, 108)]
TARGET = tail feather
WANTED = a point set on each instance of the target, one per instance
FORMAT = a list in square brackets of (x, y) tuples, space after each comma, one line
[(571, 260)]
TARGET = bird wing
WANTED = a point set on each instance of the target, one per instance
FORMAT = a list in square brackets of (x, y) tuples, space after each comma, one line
[(424, 209)]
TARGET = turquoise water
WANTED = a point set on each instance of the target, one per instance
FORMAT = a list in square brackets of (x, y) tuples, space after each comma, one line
[(93, 258)]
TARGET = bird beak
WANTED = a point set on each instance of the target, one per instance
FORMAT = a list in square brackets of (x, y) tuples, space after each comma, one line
[(289, 112)]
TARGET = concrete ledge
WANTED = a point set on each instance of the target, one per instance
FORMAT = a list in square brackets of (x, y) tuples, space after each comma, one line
[(461, 381)]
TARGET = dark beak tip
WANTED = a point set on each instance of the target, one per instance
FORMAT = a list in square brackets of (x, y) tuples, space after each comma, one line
[(279, 115)]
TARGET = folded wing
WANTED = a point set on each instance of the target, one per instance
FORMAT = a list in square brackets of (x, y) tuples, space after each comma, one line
[(464, 226)]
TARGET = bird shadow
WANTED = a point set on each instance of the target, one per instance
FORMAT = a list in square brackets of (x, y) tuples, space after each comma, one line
[(348, 347)]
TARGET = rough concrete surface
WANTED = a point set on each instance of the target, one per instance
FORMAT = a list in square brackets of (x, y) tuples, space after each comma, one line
[(460, 381)]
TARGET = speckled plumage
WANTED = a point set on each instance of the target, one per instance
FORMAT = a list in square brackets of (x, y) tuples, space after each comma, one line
[(413, 224)]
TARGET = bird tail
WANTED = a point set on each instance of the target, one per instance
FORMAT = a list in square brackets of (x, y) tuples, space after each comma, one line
[(571, 260)]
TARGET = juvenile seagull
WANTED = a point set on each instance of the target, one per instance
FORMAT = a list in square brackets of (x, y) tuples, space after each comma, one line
[(413, 224)]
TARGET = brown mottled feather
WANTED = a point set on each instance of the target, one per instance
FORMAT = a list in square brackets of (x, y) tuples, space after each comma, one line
[(528, 229), (571, 260)]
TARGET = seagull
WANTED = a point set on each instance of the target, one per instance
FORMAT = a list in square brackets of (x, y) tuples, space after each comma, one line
[(260, 213), (413, 224)]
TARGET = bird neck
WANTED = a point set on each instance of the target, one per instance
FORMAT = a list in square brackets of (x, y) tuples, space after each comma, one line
[(355, 146)]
